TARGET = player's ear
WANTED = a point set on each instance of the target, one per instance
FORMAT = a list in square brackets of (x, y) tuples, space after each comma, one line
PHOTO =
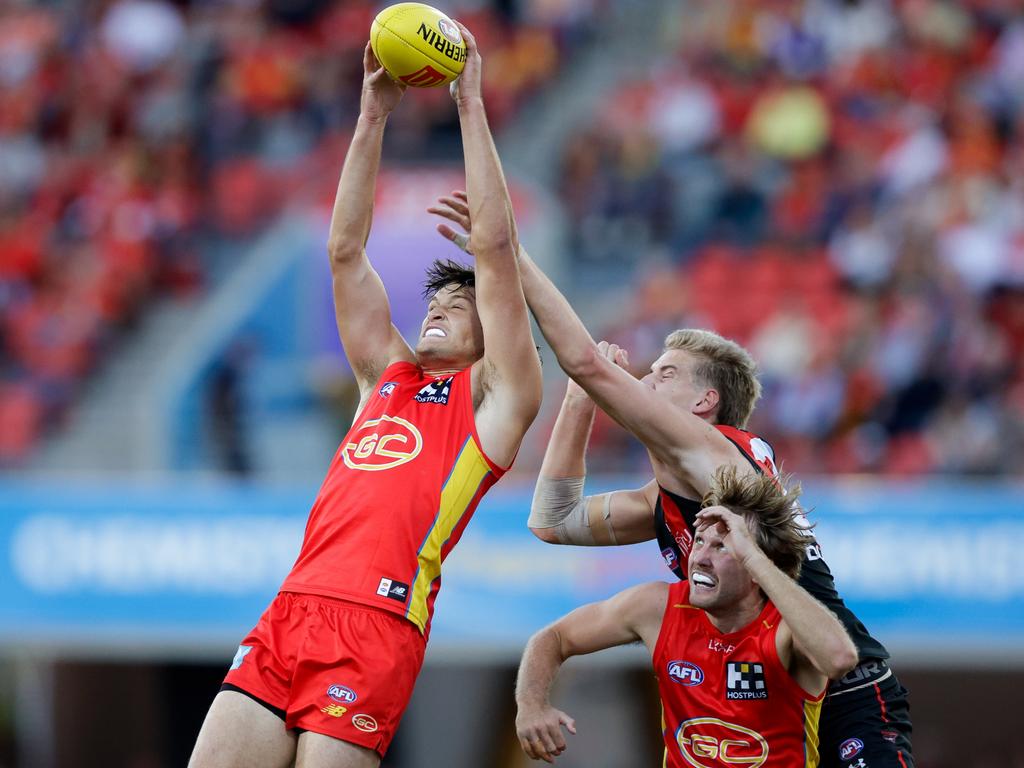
[(708, 402)]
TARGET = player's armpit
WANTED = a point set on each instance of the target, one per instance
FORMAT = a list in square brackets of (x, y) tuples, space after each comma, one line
[(505, 404), (363, 315)]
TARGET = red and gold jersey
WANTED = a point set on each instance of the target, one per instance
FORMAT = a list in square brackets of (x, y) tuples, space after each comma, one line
[(726, 698), (398, 495)]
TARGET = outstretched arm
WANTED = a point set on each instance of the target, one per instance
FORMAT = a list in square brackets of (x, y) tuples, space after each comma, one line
[(812, 643), (361, 306), (674, 436), (634, 614), (679, 438), (507, 380)]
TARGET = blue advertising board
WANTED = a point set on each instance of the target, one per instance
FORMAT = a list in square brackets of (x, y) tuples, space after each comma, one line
[(187, 566)]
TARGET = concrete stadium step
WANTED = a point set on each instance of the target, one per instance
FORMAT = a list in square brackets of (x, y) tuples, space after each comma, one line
[(106, 425)]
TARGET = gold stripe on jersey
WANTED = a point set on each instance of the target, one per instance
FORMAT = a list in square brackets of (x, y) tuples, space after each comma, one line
[(664, 727), (812, 712), (468, 472)]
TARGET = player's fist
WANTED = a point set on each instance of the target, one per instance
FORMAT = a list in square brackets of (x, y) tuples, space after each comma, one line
[(540, 731)]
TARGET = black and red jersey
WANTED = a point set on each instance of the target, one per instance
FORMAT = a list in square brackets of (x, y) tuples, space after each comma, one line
[(675, 517)]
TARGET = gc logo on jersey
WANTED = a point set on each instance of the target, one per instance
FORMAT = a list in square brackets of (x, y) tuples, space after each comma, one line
[(382, 443), (745, 680), (708, 742), (685, 673), (435, 392)]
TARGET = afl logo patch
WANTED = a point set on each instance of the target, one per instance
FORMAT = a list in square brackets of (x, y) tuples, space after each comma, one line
[(386, 389), (685, 673), (670, 557), (383, 443), (850, 748), (342, 693)]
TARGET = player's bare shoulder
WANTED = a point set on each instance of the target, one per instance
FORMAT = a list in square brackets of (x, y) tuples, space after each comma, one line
[(643, 608)]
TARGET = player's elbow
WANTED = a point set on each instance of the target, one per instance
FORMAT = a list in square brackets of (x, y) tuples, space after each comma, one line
[(842, 658), (547, 535), (342, 252), (581, 364)]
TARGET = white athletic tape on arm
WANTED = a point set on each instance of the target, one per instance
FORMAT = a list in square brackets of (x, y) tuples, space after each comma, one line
[(554, 499), (559, 504)]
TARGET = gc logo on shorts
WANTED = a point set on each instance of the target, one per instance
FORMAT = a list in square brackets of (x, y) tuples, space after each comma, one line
[(364, 723)]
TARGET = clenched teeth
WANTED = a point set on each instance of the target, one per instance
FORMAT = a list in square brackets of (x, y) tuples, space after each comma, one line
[(702, 579)]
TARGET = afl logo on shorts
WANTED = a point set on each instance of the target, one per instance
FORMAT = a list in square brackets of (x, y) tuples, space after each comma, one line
[(364, 723), (342, 693), (850, 748), (383, 443)]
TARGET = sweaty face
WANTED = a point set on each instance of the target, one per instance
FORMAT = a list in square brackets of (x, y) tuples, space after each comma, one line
[(672, 377), (451, 335), (717, 579)]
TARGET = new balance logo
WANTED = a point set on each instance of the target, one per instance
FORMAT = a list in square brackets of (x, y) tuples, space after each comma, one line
[(424, 78), (395, 590)]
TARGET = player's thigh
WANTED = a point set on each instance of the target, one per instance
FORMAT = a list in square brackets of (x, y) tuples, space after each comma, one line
[(240, 733), (318, 751)]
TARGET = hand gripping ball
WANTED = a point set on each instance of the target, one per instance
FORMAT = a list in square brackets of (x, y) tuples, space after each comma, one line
[(418, 45)]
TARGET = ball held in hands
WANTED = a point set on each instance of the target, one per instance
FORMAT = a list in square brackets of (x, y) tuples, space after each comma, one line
[(418, 45)]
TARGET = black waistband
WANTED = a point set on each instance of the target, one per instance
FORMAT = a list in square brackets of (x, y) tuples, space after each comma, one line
[(276, 710)]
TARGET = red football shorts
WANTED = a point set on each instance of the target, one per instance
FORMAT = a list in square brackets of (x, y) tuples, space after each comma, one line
[(332, 667)]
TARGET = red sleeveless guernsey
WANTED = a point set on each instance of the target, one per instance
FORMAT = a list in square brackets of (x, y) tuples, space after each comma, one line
[(726, 699), (398, 495)]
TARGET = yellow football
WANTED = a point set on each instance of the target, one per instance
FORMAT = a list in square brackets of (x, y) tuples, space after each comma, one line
[(418, 45)]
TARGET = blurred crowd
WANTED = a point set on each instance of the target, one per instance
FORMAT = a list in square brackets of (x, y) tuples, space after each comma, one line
[(141, 138), (838, 185)]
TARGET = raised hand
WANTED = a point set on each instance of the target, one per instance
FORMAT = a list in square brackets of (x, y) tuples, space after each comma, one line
[(612, 352), (381, 94), (540, 732), (732, 528), (454, 207), (615, 353), (467, 87)]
